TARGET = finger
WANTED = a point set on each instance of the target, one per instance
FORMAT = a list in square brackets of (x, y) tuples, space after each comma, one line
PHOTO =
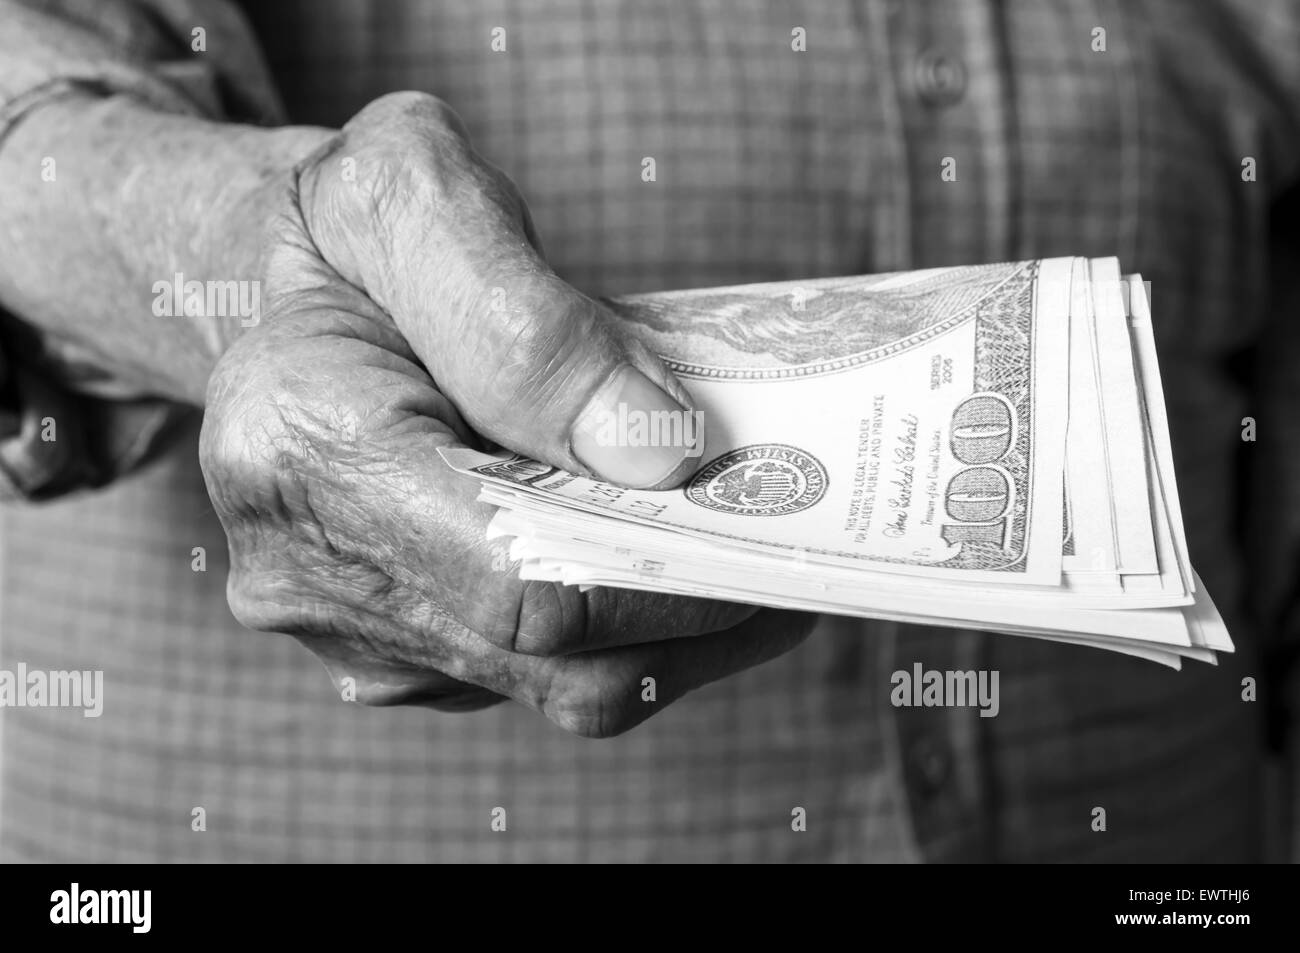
[(555, 619), (311, 300), (373, 681), (593, 694), (393, 503), (420, 500), (531, 363), (602, 694)]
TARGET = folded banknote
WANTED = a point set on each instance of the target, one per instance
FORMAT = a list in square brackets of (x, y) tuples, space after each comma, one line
[(979, 447)]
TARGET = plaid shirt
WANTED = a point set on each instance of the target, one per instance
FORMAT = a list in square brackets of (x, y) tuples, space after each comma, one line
[(772, 163)]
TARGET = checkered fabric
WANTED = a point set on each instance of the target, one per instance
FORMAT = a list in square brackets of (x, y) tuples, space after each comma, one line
[(772, 163)]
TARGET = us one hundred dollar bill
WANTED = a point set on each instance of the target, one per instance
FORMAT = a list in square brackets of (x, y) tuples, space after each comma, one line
[(980, 447)]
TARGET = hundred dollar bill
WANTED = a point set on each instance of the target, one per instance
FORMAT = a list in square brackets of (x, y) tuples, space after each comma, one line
[(910, 424), (891, 447)]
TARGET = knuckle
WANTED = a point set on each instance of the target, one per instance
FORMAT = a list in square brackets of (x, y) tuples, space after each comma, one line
[(233, 469), (537, 339), (246, 446), (542, 626), (530, 618), (591, 702), (388, 191), (228, 442), (548, 347), (415, 109), (252, 606)]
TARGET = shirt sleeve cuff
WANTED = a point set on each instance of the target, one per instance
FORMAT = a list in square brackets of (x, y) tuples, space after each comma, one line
[(53, 441), (61, 433)]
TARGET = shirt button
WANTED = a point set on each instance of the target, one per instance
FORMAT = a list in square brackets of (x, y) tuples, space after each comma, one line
[(930, 763), (940, 78)]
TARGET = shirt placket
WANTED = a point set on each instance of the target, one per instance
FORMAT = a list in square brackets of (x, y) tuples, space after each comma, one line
[(956, 127)]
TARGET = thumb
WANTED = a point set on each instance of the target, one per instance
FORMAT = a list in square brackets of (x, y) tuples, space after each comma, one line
[(441, 240)]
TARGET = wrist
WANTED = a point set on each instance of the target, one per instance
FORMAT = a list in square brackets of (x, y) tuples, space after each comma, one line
[(138, 209), (243, 226)]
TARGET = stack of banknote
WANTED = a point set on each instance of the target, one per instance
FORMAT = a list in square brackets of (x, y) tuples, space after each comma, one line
[(979, 447)]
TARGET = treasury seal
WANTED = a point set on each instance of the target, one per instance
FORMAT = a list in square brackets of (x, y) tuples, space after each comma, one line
[(765, 479)]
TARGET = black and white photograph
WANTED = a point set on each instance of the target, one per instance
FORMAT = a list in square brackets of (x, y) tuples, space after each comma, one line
[(650, 432)]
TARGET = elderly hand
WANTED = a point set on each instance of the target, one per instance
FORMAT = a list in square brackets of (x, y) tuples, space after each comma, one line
[(406, 308)]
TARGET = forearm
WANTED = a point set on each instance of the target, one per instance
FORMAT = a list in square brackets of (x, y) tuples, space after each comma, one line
[(92, 243)]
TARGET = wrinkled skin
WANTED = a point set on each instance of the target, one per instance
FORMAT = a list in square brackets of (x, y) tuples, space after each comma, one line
[(382, 338)]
